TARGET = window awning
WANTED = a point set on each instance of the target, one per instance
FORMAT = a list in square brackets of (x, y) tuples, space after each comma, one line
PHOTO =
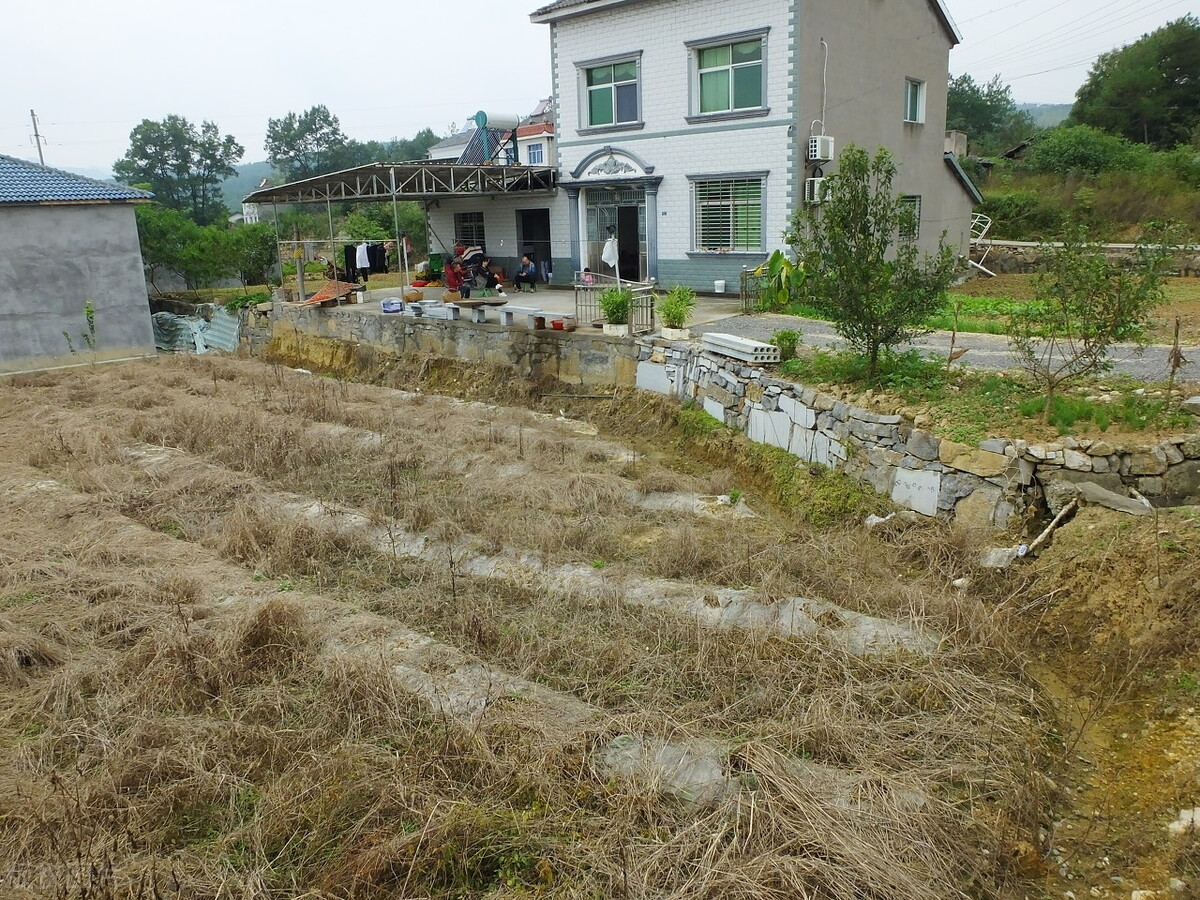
[(411, 181)]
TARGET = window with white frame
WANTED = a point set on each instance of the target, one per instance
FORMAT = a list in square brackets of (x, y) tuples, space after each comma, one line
[(468, 229), (914, 101), (910, 228), (729, 76), (612, 94), (728, 214), (537, 154)]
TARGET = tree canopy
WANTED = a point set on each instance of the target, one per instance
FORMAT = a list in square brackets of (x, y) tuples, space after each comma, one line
[(304, 145), (182, 165), (1147, 91), (312, 143), (987, 114)]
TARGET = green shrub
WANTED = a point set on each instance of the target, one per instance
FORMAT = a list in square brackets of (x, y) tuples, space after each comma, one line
[(676, 306), (1081, 149), (786, 341), (1024, 214), (615, 303)]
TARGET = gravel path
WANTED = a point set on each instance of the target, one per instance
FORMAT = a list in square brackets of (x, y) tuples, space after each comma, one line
[(987, 351)]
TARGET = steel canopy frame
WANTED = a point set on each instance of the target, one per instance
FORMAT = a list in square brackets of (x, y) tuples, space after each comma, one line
[(378, 182)]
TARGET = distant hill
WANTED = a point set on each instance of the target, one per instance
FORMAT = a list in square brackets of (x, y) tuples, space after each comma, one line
[(247, 179), (1046, 115), (98, 174)]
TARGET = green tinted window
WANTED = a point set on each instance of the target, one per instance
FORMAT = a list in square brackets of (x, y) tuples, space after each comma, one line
[(710, 57), (714, 91), (602, 75), (626, 71), (730, 76), (747, 87), (747, 51), (600, 106)]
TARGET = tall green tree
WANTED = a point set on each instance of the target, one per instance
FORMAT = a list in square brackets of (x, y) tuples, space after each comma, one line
[(164, 235), (1147, 91), (183, 165), (987, 114), (308, 144), (254, 251), (862, 268)]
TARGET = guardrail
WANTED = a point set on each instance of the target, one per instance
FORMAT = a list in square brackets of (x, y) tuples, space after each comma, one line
[(588, 288)]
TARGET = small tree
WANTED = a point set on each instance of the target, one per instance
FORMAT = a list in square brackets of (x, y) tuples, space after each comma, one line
[(862, 266), (1084, 304)]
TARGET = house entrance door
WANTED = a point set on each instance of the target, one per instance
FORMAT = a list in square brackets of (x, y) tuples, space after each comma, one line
[(620, 211), (533, 236)]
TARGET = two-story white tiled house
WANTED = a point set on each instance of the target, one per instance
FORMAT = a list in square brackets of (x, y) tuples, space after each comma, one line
[(683, 125)]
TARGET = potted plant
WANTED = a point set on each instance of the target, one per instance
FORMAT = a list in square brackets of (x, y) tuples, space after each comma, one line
[(674, 309), (615, 303)]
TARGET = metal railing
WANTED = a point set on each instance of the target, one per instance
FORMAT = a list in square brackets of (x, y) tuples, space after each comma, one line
[(588, 288), (752, 285)]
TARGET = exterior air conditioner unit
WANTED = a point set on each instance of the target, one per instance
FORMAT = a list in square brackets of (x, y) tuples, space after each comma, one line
[(820, 148), (814, 191)]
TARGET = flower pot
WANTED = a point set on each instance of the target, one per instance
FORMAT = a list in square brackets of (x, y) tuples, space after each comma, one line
[(616, 330), (556, 324), (676, 334), (539, 322)]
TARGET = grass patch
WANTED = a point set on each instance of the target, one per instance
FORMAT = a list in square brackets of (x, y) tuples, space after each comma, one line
[(909, 374), (968, 406)]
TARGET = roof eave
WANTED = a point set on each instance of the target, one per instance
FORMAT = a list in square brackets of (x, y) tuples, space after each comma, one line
[(963, 178), (547, 15), (948, 22)]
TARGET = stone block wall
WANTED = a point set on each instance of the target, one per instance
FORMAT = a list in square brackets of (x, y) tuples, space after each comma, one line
[(983, 485), (580, 357)]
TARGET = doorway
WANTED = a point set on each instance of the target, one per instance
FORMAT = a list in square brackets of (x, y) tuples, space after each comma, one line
[(533, 237), (620, 211)]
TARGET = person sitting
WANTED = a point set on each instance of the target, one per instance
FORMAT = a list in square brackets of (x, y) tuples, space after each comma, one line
[(486, 280), (526, 274), (587, 277), (456, 280)]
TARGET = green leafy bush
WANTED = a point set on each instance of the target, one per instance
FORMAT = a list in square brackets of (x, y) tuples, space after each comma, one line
[(786, 341), (676, 306), (1081, 149), (616, 303)]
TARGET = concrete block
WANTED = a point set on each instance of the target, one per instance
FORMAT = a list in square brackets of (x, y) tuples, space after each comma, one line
[(802, 415), (653, 377), (770, 427), (917, 490), (715, 409)]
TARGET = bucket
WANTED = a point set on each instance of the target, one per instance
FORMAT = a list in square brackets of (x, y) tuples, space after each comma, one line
[(719, 286)]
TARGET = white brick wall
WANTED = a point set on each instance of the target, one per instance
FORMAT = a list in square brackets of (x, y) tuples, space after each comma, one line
[(659, 29)]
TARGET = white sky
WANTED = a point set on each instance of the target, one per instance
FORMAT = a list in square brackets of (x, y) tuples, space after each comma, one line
[(92, 71)]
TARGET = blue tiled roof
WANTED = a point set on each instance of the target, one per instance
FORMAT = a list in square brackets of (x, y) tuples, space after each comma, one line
[(26, 182)]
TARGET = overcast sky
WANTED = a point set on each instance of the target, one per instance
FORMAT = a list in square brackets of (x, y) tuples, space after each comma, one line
[(92, 71)]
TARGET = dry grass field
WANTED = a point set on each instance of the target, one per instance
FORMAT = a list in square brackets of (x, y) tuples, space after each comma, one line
[(265, 634)]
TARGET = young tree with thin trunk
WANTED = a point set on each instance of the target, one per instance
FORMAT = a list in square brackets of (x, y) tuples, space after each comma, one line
[(1085, 303), (863, 269)]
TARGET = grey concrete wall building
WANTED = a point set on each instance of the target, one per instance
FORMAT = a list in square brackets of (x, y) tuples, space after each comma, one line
[(65, 242)]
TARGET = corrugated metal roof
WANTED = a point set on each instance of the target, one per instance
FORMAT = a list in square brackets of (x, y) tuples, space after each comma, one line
[(26, 182)]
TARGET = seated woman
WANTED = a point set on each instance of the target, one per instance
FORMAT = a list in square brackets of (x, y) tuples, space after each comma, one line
[(526, 273), (485, 278), (456, 280)]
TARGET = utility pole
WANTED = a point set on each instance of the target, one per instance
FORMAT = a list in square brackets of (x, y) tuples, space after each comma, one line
[(37, 138)]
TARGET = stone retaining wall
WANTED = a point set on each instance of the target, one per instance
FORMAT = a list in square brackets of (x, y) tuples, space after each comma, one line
[(580, 357), (985, 485), (1023, 257)]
